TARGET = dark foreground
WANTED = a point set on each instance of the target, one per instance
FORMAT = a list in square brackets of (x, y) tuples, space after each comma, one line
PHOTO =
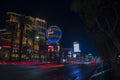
[(66, 72)]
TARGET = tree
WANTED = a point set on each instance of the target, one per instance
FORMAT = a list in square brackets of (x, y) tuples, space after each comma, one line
[(102, 19)]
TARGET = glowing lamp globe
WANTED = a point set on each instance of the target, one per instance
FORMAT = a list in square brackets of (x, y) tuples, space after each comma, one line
[(53, 34)]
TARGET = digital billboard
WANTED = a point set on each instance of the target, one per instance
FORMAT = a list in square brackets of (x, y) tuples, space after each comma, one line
[(76, 47)]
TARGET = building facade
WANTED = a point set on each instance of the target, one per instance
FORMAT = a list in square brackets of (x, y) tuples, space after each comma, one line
[(33, 34)]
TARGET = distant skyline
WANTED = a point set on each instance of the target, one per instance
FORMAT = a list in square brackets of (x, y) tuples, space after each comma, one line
[(55, 12)]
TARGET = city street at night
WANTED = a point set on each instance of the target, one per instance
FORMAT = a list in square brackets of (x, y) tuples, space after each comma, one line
[(34, 72), (59, 40)]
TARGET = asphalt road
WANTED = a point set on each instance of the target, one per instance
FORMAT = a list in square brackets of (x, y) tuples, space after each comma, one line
[(34, 72)]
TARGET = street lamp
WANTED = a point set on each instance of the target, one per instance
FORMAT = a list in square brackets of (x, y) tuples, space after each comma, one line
[(37, 37)]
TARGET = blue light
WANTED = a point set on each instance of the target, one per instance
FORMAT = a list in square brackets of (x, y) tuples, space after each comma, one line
[(54, 34)]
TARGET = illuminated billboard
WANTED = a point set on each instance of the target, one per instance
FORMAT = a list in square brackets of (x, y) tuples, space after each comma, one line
[(76, 47), (53, 34), (53, 48)]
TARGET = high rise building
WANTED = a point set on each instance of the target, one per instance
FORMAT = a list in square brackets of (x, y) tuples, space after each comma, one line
[(40, 27), (33, 32)]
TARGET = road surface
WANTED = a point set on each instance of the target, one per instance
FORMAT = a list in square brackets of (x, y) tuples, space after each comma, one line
[(35, 72)]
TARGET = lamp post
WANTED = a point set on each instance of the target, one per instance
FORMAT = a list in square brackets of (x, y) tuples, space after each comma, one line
[(38, 38)]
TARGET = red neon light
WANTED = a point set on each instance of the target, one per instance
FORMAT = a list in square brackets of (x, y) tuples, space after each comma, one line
[(51, 66), (9, 47), (6, 46)]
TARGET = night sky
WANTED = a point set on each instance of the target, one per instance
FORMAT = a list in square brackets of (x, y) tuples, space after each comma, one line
[(55, 12)]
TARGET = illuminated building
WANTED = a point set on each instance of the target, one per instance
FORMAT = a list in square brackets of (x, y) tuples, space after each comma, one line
[(53, 35), (76, 46), (32, 27), (40, 27)]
